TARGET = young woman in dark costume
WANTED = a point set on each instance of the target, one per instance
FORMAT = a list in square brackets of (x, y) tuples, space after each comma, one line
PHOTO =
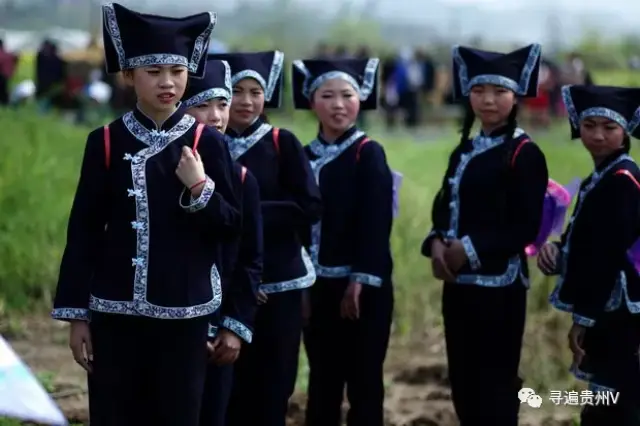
[(597, 257), (352, 302), (266, 371), (487, 211), (139, 277), (208, 100)]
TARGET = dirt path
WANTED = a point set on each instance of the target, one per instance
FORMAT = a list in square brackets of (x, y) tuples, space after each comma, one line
[(417, 393)]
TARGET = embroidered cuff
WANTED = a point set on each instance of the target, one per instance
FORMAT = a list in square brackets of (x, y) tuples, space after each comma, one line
[(238, 328), (584, 321), (367, 279), (213, 331), (69, 314), (474, 260), (200, 202)]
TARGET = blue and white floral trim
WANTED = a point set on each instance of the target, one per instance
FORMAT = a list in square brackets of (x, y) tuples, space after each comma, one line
[(364, 88), (600, 389), (520, 87), (71, 314), (326, 154), (300, 283), (198, 54), (201, 202), (469, 249), (583, 321), (575, 118), (271, 82), (579, 374), (239, 146), (620, 288), (238, 328), (481, 144), (156, 142), (213, 331), (212, 93)]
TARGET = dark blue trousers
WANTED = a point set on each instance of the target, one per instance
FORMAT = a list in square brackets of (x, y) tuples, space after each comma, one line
[(217, 391), (265, 373), (483, 332), (612, 358), (147, 371), (347, 353)]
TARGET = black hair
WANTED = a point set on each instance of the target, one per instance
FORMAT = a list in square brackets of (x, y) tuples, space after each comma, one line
[(626, 144), (264, 117)]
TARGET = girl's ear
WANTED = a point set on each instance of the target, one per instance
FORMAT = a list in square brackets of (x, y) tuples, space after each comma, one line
[(128, 77)]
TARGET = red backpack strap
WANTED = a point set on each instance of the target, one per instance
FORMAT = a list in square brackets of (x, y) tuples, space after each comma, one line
[(196, 139), (517, 151), (276, 139), (243, 174), (107, 147), (359, 149), (628, 174)]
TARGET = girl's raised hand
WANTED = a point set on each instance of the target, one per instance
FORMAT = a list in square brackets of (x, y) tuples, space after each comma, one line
[(190, 169)]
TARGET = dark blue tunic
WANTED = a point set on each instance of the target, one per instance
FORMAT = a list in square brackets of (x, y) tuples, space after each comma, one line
[(493, 205), (136, 243), (290, 202), (361, 198)]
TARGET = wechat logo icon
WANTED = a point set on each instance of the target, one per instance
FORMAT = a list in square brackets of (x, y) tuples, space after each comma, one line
[(528, 396)]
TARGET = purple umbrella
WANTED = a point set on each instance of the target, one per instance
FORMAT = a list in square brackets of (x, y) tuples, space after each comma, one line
[(397, 182), (556, 203)]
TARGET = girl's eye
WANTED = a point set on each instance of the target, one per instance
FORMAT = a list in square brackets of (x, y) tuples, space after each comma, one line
[(203, 105)]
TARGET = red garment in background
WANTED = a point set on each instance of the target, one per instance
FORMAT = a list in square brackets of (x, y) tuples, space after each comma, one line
[(8, 63)]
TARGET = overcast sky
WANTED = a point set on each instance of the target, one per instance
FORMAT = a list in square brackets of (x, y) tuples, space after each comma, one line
[(502, 20)]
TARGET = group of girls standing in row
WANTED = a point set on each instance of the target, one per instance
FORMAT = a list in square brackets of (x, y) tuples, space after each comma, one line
[(491, 207), (254, 234), (198, 229)]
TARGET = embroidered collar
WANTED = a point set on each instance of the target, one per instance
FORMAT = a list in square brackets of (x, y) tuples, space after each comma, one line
[(166, 125), (610, 159), (238, 146), (322, 149), (154, 137), (340, 139), (482, 142)]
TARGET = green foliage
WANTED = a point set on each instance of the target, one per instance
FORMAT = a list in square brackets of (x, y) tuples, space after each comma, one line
[(38, 173)]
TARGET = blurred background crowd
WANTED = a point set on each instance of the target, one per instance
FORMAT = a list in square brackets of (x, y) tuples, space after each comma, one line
[(415, 86)]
